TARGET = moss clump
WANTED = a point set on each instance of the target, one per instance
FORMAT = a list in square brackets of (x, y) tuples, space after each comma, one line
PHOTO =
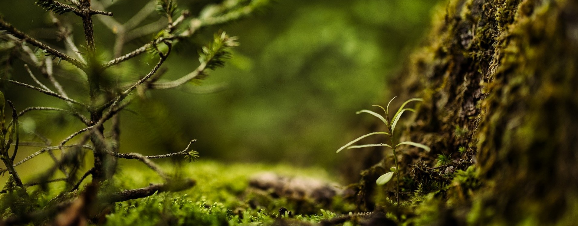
[(499, 81), (222, 196)]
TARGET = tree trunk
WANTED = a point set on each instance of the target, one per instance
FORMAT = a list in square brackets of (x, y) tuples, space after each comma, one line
[(499, 80)]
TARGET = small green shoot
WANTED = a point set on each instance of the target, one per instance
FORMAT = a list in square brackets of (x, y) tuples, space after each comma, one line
[(390, 123)]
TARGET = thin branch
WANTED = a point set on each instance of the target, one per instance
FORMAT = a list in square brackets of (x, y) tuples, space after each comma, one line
[(93, 12), (36, 183), (67, 37), (143, 159), (51, 148), (77, 115), (14, 131), (40, 109), (140, 16), (132, 54), (145, 30), (88, 173), (74, 134), (35, 79), (125, 93), (21, 35), (47, 92), (148, 191), (181, 80)]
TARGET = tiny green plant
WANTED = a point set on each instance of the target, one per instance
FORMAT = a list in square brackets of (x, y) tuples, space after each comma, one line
[(390, 123)]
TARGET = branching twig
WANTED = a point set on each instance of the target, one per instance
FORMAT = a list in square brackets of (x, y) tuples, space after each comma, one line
[(21, 35), (125, 93), (143, 159), (67, 37), (51, 148), (146, 159)]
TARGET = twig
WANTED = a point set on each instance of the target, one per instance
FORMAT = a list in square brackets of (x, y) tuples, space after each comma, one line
[(47, 92), (93, 12), (67, 37), (36, 183), (148, 191), (74, 134), (125, 93), (5, 156), (14, 131), (131, 155), (140, 16), (40, 109), (21, 35), (88, 173), (181, 80), (42, 151), (35, 79)]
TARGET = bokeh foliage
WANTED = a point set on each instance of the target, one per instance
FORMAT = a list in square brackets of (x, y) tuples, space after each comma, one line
[(288, 93)]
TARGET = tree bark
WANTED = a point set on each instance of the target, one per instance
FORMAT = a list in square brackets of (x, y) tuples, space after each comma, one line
[(499, 80)]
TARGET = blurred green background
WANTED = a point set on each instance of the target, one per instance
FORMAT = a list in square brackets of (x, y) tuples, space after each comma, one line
[(289, 94)]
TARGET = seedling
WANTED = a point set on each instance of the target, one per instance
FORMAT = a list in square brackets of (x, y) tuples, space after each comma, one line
[(390, 124)]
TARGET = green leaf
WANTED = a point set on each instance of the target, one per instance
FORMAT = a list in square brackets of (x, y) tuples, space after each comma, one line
[(397, 117), (166, 7), (383, 179), (53, 6), (400, 111), (374, 114), (387, 110), (359, 138), (384, 111), (426, 148), (369, 145)]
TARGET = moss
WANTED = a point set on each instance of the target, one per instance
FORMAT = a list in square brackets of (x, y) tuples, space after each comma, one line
[(499, 82), (221, 197)]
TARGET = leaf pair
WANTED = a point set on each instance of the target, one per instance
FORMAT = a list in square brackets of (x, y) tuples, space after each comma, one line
[(391, 127), (390, 123)]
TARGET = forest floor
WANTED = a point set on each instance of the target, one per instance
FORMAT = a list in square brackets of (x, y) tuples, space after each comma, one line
[(225, 194)]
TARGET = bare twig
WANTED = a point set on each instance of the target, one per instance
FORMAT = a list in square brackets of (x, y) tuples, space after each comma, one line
[(181, 80), (35, 79), (146, 159), (140, 16), (21, 35), (47, 92), (125, 93), (5, 156), (143, 159), (92, 12), (74, 135), (88, 173), (131, 156), (36, 183), (148, 191), (67, 37), (40, 109), (45, 149)]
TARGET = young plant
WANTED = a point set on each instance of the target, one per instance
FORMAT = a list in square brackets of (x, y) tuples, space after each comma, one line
[(390, 123)]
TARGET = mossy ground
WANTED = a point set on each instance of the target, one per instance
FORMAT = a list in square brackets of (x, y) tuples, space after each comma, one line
[(220, 197)]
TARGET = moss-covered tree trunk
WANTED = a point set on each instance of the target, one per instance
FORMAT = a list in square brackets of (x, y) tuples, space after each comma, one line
[(500, 83)]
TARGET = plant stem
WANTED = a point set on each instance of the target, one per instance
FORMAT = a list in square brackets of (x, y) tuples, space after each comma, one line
[(396, 171)]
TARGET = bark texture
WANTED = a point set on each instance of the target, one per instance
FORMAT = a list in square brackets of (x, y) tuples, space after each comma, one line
[(500, 88)]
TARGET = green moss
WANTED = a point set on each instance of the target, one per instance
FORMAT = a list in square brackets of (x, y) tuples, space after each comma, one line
[(221, 196)]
